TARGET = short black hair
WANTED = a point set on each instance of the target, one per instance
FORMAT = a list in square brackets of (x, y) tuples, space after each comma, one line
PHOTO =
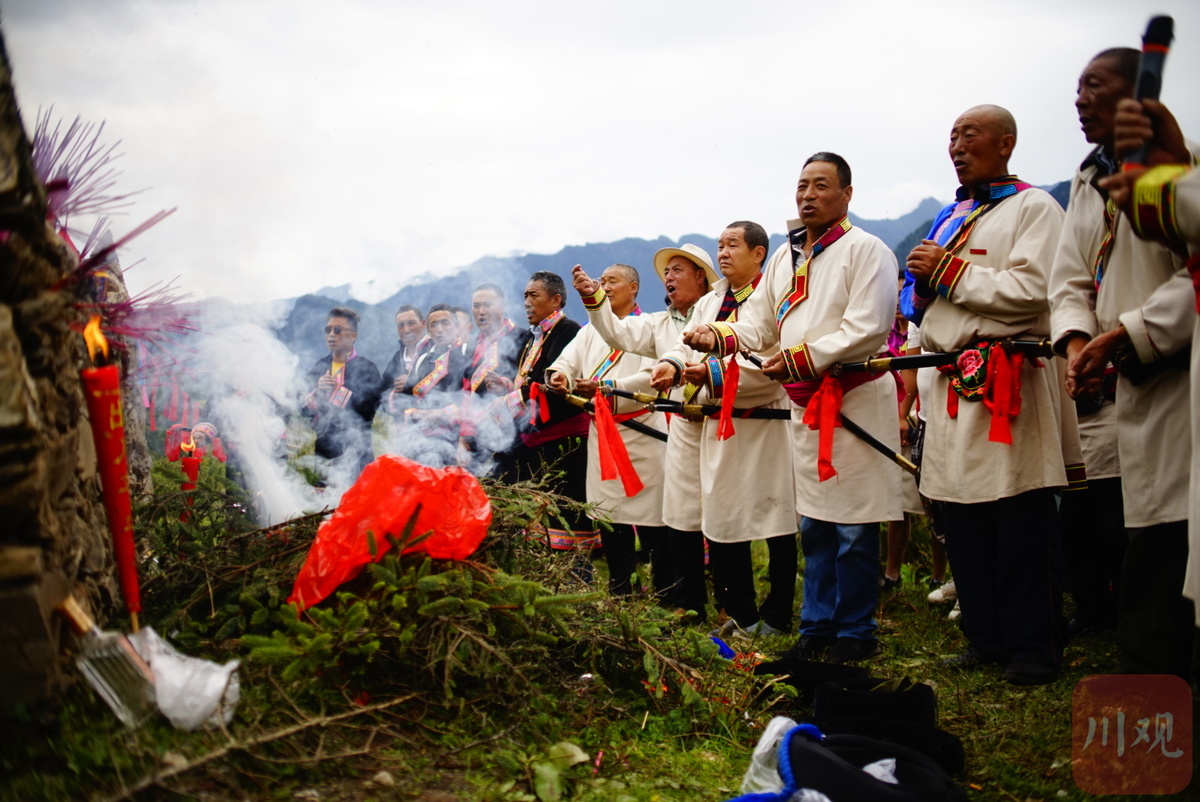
[(442, 308), (1125, 60), (843, 167), (755, 236), (491, 288), (410, 308), (350, 315), (553, 284)]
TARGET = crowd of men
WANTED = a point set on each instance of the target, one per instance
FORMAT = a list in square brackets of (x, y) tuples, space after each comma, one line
[(732, 416)]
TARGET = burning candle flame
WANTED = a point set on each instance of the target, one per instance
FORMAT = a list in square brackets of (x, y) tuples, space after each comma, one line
[(188, 446), (95, 339)]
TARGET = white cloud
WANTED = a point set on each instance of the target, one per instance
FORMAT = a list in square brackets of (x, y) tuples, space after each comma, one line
[(309, 144)]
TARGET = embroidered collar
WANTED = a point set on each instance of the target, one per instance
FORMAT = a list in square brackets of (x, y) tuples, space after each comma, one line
[(547, 322), (741, 295), (505, 327), (995, 190)]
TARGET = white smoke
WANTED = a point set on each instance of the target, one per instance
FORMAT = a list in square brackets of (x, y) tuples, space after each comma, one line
[(254, 388), (252, 384)]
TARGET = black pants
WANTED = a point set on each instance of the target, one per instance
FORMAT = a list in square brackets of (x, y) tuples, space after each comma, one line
[(620, 554), (1007, 561), (687, 557), (733, 581), (655, 542), (1094, 538), (1156, 625)]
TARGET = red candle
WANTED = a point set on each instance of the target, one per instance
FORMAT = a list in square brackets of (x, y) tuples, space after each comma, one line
[(191, 470), (102, 391)]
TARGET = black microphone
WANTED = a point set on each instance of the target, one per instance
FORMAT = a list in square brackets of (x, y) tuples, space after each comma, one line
[(1155, 44)]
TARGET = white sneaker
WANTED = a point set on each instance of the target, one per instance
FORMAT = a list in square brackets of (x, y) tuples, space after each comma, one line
[(955, 613), (946, 593)]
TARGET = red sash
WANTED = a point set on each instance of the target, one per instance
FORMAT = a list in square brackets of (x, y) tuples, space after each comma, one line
[(822, 402)]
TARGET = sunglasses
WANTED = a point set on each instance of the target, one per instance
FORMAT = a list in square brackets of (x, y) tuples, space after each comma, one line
[(337, 329)]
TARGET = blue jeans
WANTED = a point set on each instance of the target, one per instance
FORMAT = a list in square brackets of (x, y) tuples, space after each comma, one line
[(841, 579)]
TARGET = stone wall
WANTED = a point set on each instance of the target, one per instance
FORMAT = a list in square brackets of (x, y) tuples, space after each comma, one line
[(53, 535)]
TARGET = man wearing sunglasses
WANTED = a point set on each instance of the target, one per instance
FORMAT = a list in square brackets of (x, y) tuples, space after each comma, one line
[(346, 393)]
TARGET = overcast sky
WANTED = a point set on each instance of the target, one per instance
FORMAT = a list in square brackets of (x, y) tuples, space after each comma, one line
[(316, 143)]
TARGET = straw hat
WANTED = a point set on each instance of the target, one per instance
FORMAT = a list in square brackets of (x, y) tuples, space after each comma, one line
[(693, 253)]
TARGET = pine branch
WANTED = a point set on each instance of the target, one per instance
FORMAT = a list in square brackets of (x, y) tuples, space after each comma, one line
[(245, 746)]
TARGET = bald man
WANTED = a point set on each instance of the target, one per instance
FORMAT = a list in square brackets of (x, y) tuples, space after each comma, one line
[(993, 452)]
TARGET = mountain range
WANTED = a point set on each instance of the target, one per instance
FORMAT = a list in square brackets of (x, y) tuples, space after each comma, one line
[(300, 328)]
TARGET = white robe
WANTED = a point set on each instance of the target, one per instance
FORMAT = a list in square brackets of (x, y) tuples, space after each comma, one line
[(648, 336), (1000, 293), (629, 372), (1146, 288), (846, 318), (1187, 214), (747, 488)]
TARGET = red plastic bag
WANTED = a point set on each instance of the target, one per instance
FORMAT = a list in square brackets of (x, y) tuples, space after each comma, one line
[(453, 506)]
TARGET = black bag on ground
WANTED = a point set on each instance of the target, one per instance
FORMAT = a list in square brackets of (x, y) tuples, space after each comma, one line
[(833, 765)]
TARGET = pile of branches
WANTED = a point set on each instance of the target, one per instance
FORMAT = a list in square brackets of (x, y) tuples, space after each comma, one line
[(426, 657)]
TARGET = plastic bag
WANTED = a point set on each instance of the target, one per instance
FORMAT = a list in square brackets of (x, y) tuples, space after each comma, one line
[(189, 691), (763, 773), (453, 506)]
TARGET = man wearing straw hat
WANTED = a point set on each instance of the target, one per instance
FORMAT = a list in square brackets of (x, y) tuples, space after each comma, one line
[(687, 274)]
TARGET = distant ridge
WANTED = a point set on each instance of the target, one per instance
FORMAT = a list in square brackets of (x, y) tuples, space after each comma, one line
[(300, 330)]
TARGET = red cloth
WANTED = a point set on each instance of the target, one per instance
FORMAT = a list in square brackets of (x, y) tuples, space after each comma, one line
[(453, 507), (823, 413), (802, 392), (728, 396), (614, 456), (1002, 396), (574, 426), (540, 413)]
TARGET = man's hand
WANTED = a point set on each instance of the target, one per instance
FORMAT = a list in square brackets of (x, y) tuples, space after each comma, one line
[(924, 259), (903, 431), (1086, 361), (1119, 187), (326, 384), (662, 378), (556, 380), (775, 369), (702, 338), (398, 385), (586, 387), (585, 284), (696, 373), (495, 383), (1149, 123)]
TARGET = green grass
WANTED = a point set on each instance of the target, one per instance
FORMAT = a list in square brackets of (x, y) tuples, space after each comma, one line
[(564, 703)]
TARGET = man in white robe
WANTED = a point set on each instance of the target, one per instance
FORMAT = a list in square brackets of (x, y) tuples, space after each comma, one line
[(1117, 298), (1166, 209), (586, 363), (745, 465), (687, 274), (828, 295), (994, 444)]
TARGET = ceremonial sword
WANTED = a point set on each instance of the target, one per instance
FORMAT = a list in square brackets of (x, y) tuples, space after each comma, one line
[(1040, 347)]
